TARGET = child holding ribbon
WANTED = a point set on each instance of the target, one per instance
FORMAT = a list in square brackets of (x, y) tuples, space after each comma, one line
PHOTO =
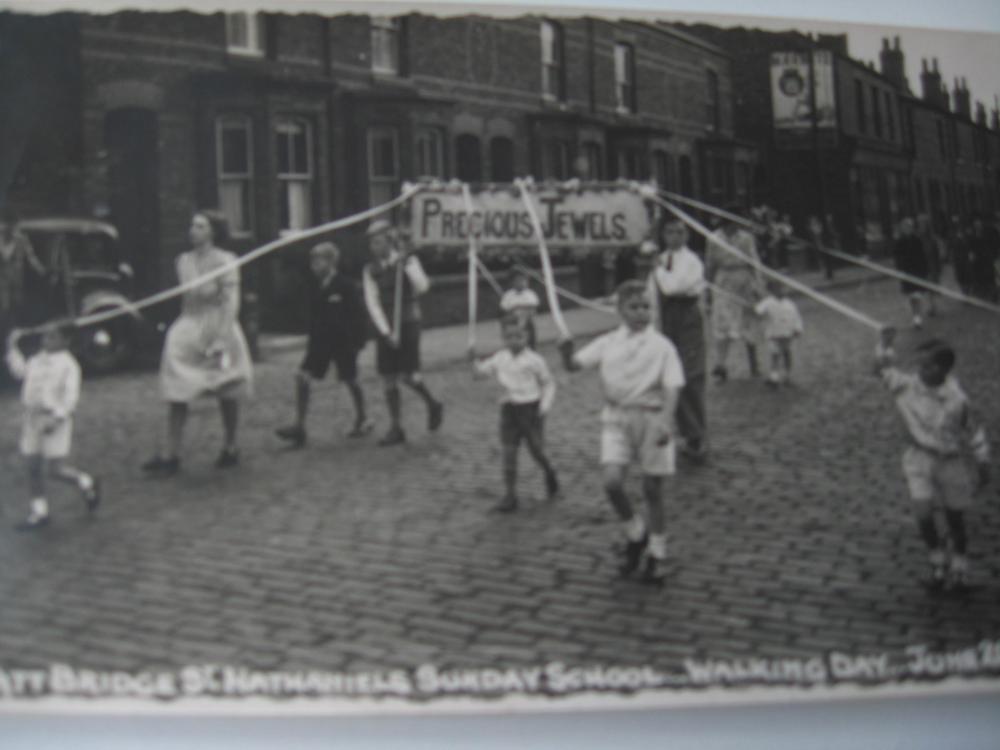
[(641, 376)]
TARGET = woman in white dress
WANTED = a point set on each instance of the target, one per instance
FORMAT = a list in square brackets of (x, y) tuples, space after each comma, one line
[(205, 353)]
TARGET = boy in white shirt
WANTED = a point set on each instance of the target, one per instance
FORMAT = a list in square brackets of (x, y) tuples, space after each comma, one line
[(782, 324), (50, 394), (941, 431), (641, 375), (522, 302), (528, 392)]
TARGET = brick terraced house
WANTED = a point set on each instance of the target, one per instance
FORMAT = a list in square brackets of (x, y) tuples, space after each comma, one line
[(287, 121)]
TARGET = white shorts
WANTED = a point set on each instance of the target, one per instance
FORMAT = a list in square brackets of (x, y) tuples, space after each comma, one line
[(944, 481), (35, 442), (630, 434)]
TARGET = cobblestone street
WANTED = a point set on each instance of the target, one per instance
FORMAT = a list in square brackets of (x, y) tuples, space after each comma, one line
[(796, 540)]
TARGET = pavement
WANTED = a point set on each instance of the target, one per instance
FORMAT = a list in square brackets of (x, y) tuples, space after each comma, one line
[(795, 541)]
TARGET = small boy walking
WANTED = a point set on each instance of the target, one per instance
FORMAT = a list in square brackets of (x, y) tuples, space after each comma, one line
[(527, 394), (641, 376), (941, 431), (49, 395), (782, 325), (522, 302), (337, 320)]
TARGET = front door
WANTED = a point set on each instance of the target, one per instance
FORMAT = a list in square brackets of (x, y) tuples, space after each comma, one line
[(130, 136)]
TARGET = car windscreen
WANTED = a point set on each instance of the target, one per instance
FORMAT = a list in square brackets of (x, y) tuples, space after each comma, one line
[(92, 252)]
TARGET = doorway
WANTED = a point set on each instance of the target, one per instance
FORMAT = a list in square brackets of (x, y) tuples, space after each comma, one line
[(131, 137)]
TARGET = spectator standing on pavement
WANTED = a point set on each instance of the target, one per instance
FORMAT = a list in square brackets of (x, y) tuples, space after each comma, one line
[(932, 249), (527, 394), (521, 302), (911, 259), (738, 282), (782, 325), (50, 395), (337, 325), (205, 353), (984, 250), (958, 248), (393, 282), (16, 252), (676, 283), (940, 429), (641, 376), (822, 234)]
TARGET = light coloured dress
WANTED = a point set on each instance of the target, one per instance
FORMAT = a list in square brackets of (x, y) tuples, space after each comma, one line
[(205, 353), (739, 286)]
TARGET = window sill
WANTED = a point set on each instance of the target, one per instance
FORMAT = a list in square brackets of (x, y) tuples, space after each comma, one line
[(245, 52)]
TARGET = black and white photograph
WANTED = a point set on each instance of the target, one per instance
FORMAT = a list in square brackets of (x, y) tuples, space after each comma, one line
[(460, 358)]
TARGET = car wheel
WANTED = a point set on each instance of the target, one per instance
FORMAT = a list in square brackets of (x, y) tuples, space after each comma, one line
[(105, 347)]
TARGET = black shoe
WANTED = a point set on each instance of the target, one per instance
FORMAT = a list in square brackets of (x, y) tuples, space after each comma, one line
[(229, 458), (162, 467), (720, 374), (695, 453), (632, 555), (92, 496), (33, 523), (653, 572), (551, 485), (507, 505), (435, 416), (393, 437), (294, 435), (361, 428)]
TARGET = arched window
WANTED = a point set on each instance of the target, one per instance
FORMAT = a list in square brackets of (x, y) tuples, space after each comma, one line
[(686, 181), (661, 169), (501, 159), (468, 159)]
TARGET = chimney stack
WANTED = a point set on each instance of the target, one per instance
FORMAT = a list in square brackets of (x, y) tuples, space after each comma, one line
[(963, 102), (930, 82), (894, 64), (980, 114)]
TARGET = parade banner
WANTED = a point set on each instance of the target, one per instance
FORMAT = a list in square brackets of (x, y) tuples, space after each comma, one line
[(590, 217)]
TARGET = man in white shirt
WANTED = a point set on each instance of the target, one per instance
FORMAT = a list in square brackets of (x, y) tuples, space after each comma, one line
[(641, 376), (676, 283), (392, 279)]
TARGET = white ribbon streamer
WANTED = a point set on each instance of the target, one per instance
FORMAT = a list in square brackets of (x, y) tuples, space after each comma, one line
[(833, 304), (179, 289), (550, 283), (864, 263)]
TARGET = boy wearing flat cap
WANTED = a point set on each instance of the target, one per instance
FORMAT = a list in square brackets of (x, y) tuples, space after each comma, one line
[(393, 283)]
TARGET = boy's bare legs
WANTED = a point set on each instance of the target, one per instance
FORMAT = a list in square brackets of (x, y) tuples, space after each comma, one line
[(84, 482), (392, 401), (537, 451), (38, 513), (652, 488), (932, 540), (509, 502), (636, 535), (361, 425)]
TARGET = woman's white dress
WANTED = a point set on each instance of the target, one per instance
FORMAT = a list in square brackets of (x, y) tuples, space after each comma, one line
[(205, 353)]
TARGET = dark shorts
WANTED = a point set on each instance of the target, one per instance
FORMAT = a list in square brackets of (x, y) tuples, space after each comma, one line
[(403, 359), (520, 421), (319, 356)]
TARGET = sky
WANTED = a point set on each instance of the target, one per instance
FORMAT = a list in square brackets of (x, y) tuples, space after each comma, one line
[(963, 34)]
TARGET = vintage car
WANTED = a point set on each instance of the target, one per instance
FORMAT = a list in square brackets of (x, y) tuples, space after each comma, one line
[(85, 273)]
